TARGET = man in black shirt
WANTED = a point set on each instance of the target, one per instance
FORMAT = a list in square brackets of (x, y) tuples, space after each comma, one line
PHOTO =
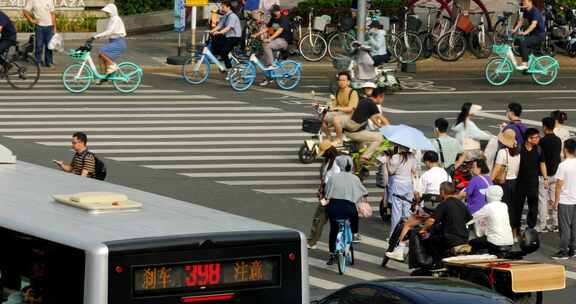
[(534, 34), (8, 34), (446, 227), (551, 146), (281, 29), (367, 110), (532, 163)]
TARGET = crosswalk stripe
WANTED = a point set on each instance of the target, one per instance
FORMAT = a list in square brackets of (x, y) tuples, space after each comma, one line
[(179, 143), (140, 109), (350, 271), (299, 190), (218, 150), (148, 129), (324, 284), (60, 86), (313, 199), (107, 97), (164, 136), (160, 115), (116, 102), (313, 181), (79, 123), (254, 165), (95, 91), (201, 158), (250, 174), (368, 258)]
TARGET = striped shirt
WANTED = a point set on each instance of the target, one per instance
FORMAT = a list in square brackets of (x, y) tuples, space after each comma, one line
[(84, 161)]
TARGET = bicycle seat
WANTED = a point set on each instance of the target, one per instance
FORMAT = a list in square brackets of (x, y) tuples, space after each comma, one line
[(394, 19)]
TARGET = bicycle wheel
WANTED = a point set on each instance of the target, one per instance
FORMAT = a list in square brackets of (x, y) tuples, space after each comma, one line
[(341, 257), (289, 75), (127, 78), (196, 70), (480, 43), (77, 79), (427, 45), (22, 72), (408, 47), (451, 46), (498, 71), (339, 45), (242, 76), (545, 71), (313, 47)]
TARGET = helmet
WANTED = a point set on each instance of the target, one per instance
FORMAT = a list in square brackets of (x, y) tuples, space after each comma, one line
[(530, 241)]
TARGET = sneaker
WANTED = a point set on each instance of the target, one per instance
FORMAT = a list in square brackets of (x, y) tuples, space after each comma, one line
[(356, 238), (111, 69), (398, 253), (271, 68), (561, 255), (331, 260), (264, 83), (554, 229), (516, 240), (522, 67), (312, 247)]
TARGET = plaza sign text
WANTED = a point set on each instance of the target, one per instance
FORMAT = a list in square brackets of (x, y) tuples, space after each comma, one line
[(60, 4)]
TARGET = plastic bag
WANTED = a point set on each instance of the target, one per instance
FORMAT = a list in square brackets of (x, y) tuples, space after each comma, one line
[(56, 43)]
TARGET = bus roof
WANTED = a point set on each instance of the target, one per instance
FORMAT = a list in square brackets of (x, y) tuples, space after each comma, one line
[(27, 206)]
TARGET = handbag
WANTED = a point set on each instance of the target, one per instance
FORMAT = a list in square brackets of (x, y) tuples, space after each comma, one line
[(500, 177), (364, 209)]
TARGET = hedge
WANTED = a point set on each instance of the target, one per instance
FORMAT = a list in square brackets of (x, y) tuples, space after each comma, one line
[(132, 7)]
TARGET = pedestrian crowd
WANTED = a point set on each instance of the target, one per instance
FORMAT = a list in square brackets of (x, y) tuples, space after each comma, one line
[(472, 177)]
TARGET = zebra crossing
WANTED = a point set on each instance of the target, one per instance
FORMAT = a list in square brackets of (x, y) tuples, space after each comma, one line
[(197, 136)]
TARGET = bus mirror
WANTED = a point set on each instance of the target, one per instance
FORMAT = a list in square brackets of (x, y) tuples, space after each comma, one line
[(6, 156)]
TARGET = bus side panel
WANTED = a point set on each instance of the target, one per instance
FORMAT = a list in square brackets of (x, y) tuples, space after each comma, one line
[(286, 247)]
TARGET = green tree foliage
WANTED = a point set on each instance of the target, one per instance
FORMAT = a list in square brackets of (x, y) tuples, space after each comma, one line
[(132, 7)]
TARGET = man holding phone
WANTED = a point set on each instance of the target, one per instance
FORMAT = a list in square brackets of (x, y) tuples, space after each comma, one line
[(84, 162)]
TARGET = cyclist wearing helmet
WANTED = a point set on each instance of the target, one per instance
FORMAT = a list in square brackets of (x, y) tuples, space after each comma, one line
[(535, 33), (8, 34)]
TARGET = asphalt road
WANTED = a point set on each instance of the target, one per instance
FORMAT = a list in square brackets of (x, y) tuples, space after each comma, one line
[(238, 151)]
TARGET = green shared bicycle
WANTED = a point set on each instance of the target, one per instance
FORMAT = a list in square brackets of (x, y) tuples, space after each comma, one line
[(78, 76), (544, 70)]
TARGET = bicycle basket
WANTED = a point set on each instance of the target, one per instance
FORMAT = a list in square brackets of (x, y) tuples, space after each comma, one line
[(311, 125), (501, 50), (78, 55), (465, 25), (321, 22), (414, 23), (341, 63)]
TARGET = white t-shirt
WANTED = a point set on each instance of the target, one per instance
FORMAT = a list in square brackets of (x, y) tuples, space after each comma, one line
[(402, 171), (329, 173), (41, 10), (493, 221), (512, 163), (429, 182), (567, 173)]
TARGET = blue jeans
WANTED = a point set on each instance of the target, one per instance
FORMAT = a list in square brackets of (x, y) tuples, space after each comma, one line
[(43, 36)]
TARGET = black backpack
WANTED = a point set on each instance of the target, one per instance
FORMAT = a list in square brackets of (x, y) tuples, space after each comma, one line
[(99, 167)]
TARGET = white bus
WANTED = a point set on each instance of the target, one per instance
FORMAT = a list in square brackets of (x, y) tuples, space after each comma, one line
[(166, 252)]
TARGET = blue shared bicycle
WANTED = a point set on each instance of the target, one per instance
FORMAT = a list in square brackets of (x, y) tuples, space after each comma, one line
[(344, 249), (287, 74)]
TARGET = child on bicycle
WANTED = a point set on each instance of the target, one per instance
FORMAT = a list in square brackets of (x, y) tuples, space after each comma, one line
[(7, 35), (116, 46)]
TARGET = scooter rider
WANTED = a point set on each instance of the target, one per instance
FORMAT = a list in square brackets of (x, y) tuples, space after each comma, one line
[(536, 31), (341, 107), (367, 110)]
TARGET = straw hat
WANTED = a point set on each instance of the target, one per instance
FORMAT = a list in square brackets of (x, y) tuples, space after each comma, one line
[(368, 84), (508, 138), (324, 145)]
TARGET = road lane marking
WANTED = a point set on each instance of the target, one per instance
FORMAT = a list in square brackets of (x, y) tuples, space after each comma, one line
[(151, 129), (201, 158), (116, 102), (350, 271), (177, 143), (184, 150), (35, 92), (314, 199), (161, 136), (251, 174), (80, 123), (300, 190), (232, 166), (107, 97), (161, 115), (372, 259), (278, 182), (139, 109), (324, 284)]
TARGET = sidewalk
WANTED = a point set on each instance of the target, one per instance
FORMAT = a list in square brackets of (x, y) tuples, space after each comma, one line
[(151, 51)]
